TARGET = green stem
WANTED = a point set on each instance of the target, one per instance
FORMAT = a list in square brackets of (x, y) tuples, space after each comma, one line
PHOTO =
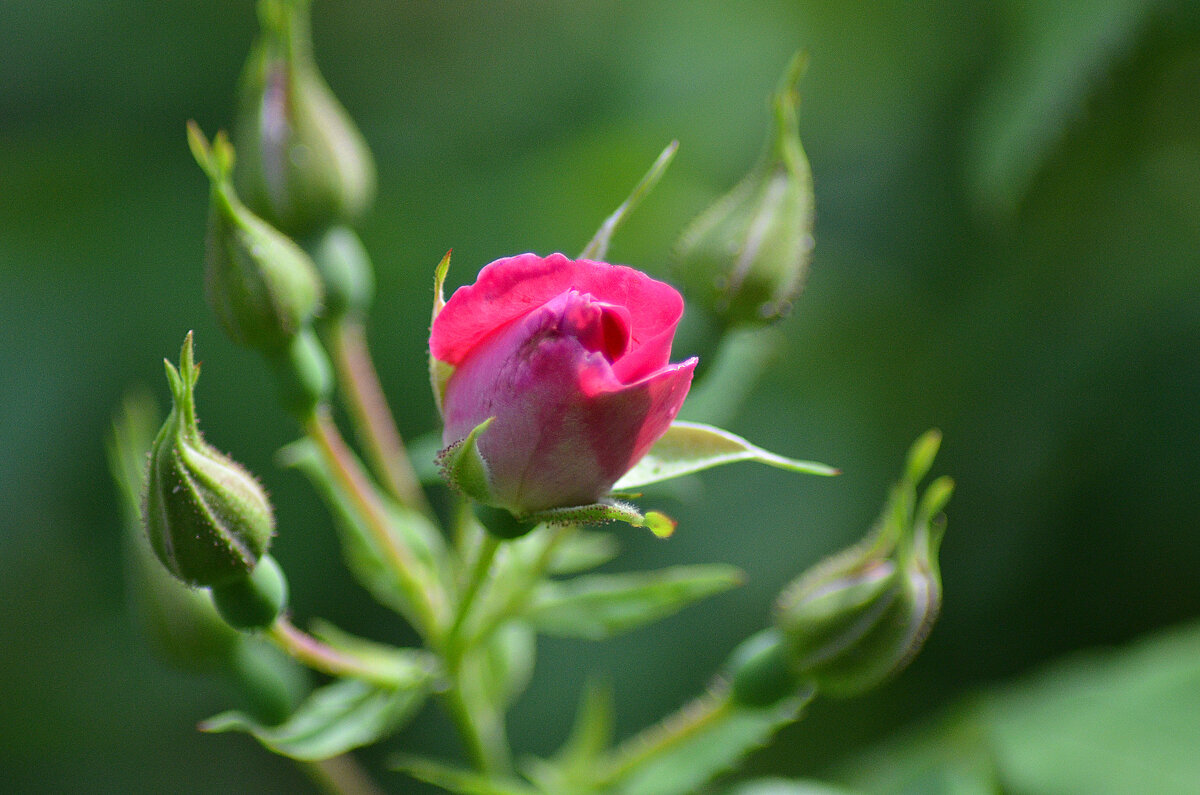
[(741, 358), (321, 657), (373, 421), (519, 596), (482, 735), (425, 598), (340, 775), (479, 571), (702, 713)]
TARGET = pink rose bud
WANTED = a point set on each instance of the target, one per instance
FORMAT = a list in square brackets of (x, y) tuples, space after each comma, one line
[(571, 361)]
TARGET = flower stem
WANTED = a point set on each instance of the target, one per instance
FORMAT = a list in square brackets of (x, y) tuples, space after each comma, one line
[(479, 571), (322, 657), (483, 735), (425, 598), (519, 596), (704, 712), (373, 421), (340, 775)]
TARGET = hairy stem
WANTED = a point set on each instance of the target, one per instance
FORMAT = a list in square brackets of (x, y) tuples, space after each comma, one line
[(373, 421), (425, 598), (322, 657)]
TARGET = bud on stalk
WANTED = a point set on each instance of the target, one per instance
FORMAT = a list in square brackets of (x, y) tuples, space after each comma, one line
[(262, 286), (745, 258), (304, 166), (859, 617), (208, 519)]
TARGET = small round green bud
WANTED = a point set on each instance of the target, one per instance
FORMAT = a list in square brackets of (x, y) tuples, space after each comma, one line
[(745, 258), (208, 520), (261, 285), (303, 374), (761, 671), (345, 271), (304, 166), (254, 601), (855, 619)]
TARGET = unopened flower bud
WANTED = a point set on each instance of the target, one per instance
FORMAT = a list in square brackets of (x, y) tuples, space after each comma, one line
[(255, 600), (862, 615), (345, 271), (207, 518), (304, 166), (262, 286), (745, 258)]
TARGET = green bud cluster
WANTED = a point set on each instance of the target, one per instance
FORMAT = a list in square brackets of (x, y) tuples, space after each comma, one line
[(746, 257), (857, 618), (208, 520), (304, 166)]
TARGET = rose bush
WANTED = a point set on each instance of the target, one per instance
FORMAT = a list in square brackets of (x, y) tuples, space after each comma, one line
[(571, 360)]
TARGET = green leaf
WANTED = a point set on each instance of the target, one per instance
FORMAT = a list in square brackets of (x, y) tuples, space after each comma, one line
[(607, 511), (778, 786), (1105, 723), (715, 749), (454, 779), (583, 550), (359, 548), (600, 606), (1061, 52), (336, 718), (689, 447), (499, 670)]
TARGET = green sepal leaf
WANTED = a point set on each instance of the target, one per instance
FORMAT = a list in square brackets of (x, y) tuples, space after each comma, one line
[(689, 447), (597, 247), (359, 548), (709, 752), (464, 468), (583, 550), (456, 779), (439, 371), (599, 606), (607, 511), (336, 718)]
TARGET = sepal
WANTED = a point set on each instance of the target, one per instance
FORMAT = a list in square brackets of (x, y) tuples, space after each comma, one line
[(689, 447)]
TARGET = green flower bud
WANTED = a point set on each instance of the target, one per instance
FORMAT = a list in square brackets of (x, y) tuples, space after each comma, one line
[(255, 600), (262, 286), (862, 615), (345, 271), (178, 622), (745, 258), (207, 518), (304, 166), (760, 670)]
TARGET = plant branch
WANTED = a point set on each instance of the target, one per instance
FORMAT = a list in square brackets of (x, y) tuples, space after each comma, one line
[(426, 599), (322, 657), (373, 421), (340, 775)]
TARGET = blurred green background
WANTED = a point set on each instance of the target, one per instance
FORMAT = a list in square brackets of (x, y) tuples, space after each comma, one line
[(1008, 248)]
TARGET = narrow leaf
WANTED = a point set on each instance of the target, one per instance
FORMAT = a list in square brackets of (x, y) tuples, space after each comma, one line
[(689, 447), (600, 606), (684, 768), (583, 550), (597, 248), (341, 716), (454, 779), (607, 511)]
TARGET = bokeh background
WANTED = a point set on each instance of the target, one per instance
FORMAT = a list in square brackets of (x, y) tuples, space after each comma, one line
[(1008, 248)]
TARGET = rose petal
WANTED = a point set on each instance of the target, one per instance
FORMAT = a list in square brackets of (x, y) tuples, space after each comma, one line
[(508, 289)]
